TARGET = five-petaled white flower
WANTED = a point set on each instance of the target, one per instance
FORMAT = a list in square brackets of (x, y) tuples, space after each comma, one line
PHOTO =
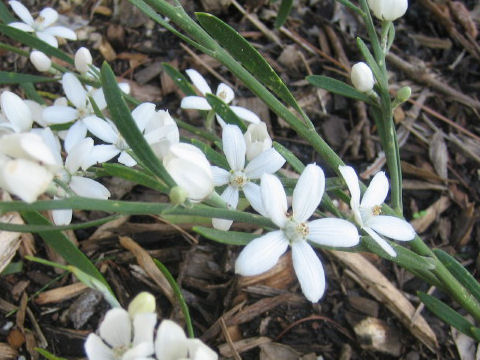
[(224, 92), (42, 25), (262, 253), (367, 212), (240, 176)]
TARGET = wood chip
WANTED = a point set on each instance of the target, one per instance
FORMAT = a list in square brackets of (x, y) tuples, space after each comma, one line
[(276, 351), (60, 294), (432, 212), (7, 352), (243, 345), (438, 153), (9, 241)]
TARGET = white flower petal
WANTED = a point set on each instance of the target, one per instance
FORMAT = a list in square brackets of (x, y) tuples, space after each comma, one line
[(74, 90), (126, 159), (199, 81), (221, 224), (376, 192), (61, 32), (62, 216), (16, 111), (78, 155), (261, 254), (308, 192), (99, 98), (225, 92), (116, 328), (27, 146), (268, 161), (75, 134), (48, 16), (391, 227), (351, 179), (309, 270), (96, 349), (380, 241), (333, 232), (143, 114), (195, 102), (51, 140), (138, 352), (101, 129), (230, 195), (245, 114), (234, 146), (257, 139), (254, 196), (274, 199), (101, 154), (21, 26), (59, 114), (143, 328), (21, 11), (171, 342), (197, 350), (49, 39), (220, 176), (88, 188)]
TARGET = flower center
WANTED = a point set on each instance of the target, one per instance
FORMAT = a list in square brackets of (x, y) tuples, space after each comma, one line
[(295, 231), (119, 351), (121, 143), (367, 213), (222, 95), (238, 179)]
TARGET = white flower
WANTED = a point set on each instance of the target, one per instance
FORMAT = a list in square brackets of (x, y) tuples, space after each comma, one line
[(122, 337), (79, 97), (367, 211), (172, 344), (239, 177), (257, 139), (16, 115), (224, 92), (190, 169), (262, 253), (83, 60), (388, 9), (41, 61), (28, 146), (42, 25), (362, 77)]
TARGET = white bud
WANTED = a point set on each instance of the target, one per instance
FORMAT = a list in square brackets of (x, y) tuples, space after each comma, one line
[(190, 169), (83, 60), (142, 303), (388, 9), (41, 61), (257, 139), (362, 77)]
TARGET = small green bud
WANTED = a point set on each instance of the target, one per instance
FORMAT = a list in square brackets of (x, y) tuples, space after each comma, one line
[(178, 195), (404, 94), (142, 303)]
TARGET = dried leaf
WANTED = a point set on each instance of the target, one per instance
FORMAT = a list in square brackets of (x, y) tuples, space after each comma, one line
[(438, 153), (431, 214), (276, 351)]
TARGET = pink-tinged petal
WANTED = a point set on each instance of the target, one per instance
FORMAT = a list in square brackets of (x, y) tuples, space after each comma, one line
[(49, 39), (274, 199), (47, 17), (61, 32), (143, 328), (87, 187), (16, 111), (380, 241), (97, 350), (309, 270), (220, 176), (234, 147), (143, 114), (267, 162), (376, 192), (254, 196), (75, 134), (116, 328), (74, 90), (101, 154), (199, 81), (392, 227), (62, 217), (230, 196), (261, 254), (101, 129), (21, 26), (245, 114), (126, 159), (351, 179), (333, 232), (21, 11), (225, 93), (78, 155), (59, 114), (308, 192), (171, 342), (195, 103)]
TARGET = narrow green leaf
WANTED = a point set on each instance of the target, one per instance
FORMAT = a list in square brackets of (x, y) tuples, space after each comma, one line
[(292, 160), (222, 109), (225, 237), (135, 176), (128, 128), (48, 355), (34, 42), (179, 79), (283, 12), (197, 131), (337, 87), (12, 268), (93, 283), (447, 314), (247, 55), (7, 77), (377, 72), (62, 245), (460, 273), (5, 15), (32, 93)]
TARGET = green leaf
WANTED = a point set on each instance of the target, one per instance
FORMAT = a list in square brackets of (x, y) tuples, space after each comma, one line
[(64, 247), (283, 12), (5, 15), (12, 268), (179, 79), (34, 42), (222, 109), (48, 355), (447, 314), (291, 159), (135, 176), (337, 87), (460, 273), (225, 237), (377, 72), (212, 156), (247, 55), (128, 128), (32, 94), (17, 78), (197, 131)]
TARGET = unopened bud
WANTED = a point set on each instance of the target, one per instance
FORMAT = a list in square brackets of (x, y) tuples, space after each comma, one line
[(83, 60), (362, 77), (142, 303), (404, 94), (388, 9), (178, 195), (41, 61)]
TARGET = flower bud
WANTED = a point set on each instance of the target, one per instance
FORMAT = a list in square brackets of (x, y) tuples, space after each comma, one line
[(41, 61), (190, 169), (142, 303), (404, 94), (388, 9), (257, 139), (83, 60), (178, 195), (362, 77)]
